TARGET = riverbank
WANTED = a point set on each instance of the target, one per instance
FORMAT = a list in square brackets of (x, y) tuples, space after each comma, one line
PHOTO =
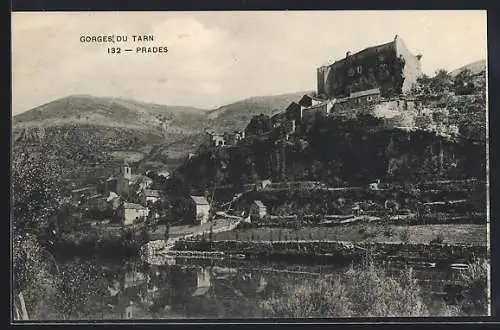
[(471, 234), (308, 251)]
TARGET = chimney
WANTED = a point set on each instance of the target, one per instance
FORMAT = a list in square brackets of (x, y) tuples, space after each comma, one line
[(419, 56), (396, 37), (347, 54)]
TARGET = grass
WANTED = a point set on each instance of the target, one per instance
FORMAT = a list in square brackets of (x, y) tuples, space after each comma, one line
[(452, 234), (129, 156)]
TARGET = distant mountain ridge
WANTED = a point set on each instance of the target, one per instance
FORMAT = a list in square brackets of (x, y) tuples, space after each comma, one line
[(161, 133), (474, 67), (119, 112)]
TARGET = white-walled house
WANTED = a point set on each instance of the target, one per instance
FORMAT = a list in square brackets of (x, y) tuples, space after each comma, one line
[(131, 212), (257, 210), (200, 209)]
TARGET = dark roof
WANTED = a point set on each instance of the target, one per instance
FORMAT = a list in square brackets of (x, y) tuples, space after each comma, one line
[(152, 193), (364, 52)]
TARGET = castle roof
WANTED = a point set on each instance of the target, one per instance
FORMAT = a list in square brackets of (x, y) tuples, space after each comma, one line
[(369, 51), (372, 91)]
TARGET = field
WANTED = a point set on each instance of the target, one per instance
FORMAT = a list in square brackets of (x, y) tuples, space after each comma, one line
[(129, 156), (451, 234)]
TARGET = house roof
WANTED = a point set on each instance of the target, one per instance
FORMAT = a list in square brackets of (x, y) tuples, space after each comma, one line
[(152, 193), (259, 204), (200, 200), (372, 91), (112, 195), (133, 206), (83, 189), (201, 291), (164, 173)]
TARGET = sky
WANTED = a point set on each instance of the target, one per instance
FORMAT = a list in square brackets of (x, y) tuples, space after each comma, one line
[(215, 58)]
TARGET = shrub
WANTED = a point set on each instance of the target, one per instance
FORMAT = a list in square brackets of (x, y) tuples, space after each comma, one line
[(362, 291), (439, 239), (475, 279), (388, 231), (405, 236)]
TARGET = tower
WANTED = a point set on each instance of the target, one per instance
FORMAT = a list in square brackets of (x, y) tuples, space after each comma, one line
[(126, 171), (124, 178)]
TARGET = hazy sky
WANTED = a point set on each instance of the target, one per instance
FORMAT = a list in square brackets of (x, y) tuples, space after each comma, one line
[(216, 58)]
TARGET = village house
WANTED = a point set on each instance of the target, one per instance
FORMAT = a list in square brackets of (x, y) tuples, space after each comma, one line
[(129, 213), (164, 173), (216, 140), (111, 184), (311, 112), (200, 209), (390, 67), (151, 195), (97, 202), (113, 201), (263, 184), (82, 194), (257, 210), (357, 100), (309, 101)]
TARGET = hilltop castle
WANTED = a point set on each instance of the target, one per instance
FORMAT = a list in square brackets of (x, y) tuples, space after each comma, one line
[(389, 67)]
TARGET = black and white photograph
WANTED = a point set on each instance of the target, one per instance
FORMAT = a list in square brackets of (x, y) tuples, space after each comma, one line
[(249, 165)]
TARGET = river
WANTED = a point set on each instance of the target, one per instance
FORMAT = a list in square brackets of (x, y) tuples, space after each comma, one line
[(194, 289)]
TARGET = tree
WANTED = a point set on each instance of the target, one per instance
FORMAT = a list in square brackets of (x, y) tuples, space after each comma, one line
[(442, 82), (37, 189), (463, 83), (35, 272), (78, 286), (258, 125)]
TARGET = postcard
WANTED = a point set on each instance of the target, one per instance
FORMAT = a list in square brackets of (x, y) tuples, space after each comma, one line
[(249, 165)]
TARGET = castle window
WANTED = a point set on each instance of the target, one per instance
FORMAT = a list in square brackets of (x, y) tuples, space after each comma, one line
[(350, 72), (359, 69), (369, 98), (381, 58)]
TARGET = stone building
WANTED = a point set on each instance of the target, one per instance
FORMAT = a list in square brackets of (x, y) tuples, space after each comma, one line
[(216, 140), (123, 179), (151, 195), (130, 213), (390, 67), (257, 210), (200, 209)]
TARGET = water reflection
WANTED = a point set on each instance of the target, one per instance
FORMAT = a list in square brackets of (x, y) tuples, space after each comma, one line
[(187, 289)]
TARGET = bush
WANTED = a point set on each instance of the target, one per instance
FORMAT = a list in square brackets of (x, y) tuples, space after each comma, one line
[(362, 291), (405, 236), (475, 278), (439, 239), (388, 232)]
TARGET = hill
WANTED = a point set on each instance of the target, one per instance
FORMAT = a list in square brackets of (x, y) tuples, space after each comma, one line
[(101, 131), (238, 114), (474, 67), (113, 112)]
